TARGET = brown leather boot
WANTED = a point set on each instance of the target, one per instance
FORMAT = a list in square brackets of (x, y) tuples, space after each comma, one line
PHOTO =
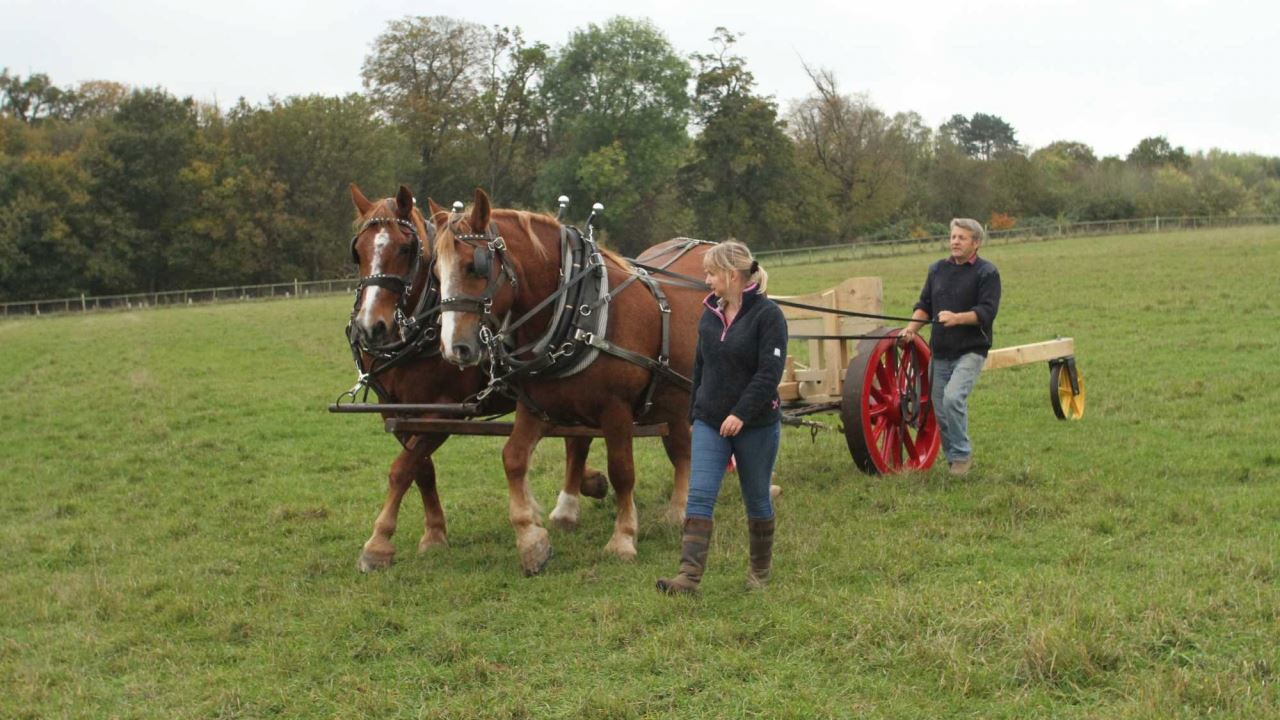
[(760, 533), (696, 542)]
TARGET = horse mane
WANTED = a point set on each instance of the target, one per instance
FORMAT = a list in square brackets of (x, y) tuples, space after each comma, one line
[(446, 249), (526, 219), (623, 263)]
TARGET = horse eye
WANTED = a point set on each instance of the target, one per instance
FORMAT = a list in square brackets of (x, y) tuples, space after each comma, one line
[(471, 269), (406, 249)]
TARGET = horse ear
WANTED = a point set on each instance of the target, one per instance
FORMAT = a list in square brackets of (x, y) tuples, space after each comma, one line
[(480, 212), (361, 202), (436, 211), (404, 203)]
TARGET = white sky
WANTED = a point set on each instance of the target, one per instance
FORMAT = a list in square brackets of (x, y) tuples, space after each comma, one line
[(1104, 72)]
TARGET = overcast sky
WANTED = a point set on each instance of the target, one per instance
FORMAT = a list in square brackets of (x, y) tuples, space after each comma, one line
[(1104, 72)]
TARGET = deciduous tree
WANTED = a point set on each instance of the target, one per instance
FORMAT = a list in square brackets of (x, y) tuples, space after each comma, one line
[(134, 161), (34, 99), (982, 136), (424, 74), (1154, 152), (315, 147), (618, 101), (742, 180), (43, 213), (857, 147)]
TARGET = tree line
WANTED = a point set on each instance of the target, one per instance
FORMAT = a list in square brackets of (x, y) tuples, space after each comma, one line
[(110, 189)]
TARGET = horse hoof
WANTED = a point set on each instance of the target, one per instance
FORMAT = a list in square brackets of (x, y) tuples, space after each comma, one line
[(539, 565), (564, 523), (535, 554), (774, 491), (370, 562), (595, 485), (624, 548), (432, 542)]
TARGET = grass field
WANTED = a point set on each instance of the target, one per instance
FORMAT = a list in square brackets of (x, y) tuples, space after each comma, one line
[(180, 520)]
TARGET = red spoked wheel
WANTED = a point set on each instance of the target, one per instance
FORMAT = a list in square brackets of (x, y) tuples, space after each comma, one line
[(887, 412)]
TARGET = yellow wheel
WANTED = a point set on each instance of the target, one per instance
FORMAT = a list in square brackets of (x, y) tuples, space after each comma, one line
[(1066, 389)]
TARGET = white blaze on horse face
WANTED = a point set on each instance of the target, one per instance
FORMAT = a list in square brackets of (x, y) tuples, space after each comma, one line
[(366, 318), (448, 318)]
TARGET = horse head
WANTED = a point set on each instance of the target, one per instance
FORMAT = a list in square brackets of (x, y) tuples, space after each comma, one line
[(389, 250), (477, 280)]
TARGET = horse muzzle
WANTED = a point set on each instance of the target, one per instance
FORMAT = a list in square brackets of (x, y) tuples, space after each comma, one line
[(463, 354)]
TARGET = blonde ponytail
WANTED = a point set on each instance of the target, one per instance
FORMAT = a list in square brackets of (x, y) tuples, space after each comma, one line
[(733, 256)]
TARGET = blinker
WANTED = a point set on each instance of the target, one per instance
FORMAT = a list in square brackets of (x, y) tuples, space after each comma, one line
[(482, 261)]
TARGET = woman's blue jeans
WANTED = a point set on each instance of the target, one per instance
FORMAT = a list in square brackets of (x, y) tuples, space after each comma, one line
[(754, 449)]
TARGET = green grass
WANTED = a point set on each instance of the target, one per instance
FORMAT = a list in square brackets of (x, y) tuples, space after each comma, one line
[(180, 520)]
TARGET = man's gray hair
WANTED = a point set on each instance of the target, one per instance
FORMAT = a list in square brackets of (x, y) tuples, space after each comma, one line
[(974, 228)]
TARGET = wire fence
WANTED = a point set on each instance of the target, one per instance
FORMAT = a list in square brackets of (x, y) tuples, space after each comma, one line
[(935, 243), (172, 298), (790, 256)]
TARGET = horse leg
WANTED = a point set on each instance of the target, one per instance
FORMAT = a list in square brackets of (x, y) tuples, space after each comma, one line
[(565, 514), (532, 540), (434, 533), (378, 551), (594, 484), (678, 443), (616, 422), (579, 479)]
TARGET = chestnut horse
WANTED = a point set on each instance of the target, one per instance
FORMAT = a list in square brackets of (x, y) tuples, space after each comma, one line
[(392, 248), (608, 394)]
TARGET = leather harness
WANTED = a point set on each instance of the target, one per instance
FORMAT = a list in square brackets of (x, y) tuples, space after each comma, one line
[(578, 330)]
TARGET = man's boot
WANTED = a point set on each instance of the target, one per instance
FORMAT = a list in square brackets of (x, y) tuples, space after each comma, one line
[(695, 543), (760, 534)]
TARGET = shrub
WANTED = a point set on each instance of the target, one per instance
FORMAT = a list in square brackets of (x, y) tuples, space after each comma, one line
[(1001, 221)]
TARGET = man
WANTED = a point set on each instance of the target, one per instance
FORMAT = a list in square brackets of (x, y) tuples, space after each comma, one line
[(961, 296)]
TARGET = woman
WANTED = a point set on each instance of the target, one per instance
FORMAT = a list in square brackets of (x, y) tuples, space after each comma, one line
[(742, 347)]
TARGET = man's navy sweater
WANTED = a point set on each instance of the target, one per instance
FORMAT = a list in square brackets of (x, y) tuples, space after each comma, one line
[(960, 288), (738, 367)]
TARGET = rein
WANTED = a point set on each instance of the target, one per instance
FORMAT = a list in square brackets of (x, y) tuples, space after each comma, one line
[(691, 282)]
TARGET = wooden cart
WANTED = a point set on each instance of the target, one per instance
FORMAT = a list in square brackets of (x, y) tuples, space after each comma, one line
[(853, 366), (882, 391)]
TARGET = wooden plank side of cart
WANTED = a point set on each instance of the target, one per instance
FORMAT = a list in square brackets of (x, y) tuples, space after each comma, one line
[(419, 426), (823, 378), (1032, 353)]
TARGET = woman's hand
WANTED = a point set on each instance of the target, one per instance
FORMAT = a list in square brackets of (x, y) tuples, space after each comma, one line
[(731, 426)]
